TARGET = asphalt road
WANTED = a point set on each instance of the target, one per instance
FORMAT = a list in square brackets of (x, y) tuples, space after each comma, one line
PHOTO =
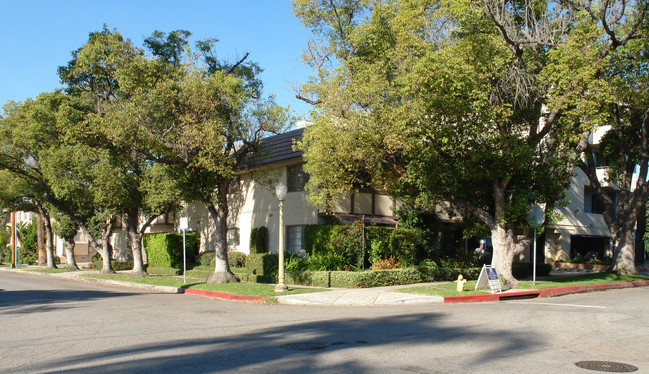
[(49, 326)]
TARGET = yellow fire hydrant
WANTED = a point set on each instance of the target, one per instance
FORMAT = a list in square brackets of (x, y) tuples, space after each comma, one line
[(460, 283)]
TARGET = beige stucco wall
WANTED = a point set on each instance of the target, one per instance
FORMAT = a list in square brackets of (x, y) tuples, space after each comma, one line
[(573, 221)]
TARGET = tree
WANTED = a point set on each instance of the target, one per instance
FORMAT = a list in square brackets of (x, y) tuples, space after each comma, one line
[(66, 229), (205, 119), (615, 41), (440, 101), (110, 72), (26, 135)]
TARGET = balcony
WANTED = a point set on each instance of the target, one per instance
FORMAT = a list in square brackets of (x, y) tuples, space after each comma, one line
[(603, 176)]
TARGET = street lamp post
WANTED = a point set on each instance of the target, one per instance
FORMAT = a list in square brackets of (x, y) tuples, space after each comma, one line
[(280, 191)]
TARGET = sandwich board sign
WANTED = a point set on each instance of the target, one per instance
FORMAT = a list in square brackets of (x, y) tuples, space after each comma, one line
[(489, 276)]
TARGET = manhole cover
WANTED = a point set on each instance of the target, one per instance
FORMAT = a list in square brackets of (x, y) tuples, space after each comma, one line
[(607, 366), (306, 346)]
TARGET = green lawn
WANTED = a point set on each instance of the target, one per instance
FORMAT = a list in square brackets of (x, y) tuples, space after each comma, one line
[(49, 271), (242, 288), (449, 289)]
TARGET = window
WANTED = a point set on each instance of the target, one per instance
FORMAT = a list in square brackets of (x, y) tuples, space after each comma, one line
[(296, 178), (233, 237), (294, 238), (592, 203), (165, 219)]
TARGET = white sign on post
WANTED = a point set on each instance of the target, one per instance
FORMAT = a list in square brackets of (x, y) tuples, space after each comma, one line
[(489, 276), (184, 223)]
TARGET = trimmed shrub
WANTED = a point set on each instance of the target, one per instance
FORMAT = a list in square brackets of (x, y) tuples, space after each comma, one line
[(377, 278), (236, 259), (154, 270), (259, 240), (263, 265), (167, 249), (207, 259), (115, 265)]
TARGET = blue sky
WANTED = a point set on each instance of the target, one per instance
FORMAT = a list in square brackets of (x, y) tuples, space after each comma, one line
[(38, 36)]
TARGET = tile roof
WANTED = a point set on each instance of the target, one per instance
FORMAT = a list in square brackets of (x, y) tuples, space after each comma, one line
[(277, 149)]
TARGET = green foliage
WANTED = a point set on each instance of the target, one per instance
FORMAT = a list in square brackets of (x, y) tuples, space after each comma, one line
[(378, 242), (206, 259), (264, 265), (318, 239), (329, 262), (167, 249), (378, 278), (237, 259), (348, 242), (115, 265), (406, 245), (27, 235), (259, 240)]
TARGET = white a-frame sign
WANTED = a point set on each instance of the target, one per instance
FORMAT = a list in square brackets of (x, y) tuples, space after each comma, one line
[(489, 275)]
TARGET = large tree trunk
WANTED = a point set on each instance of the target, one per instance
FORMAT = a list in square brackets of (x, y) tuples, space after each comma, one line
[(505, 244), (104, 246), (503, 255), (49, 237), (40, 240), (623, 251), (222, 272), (69, 253), (135, 238)]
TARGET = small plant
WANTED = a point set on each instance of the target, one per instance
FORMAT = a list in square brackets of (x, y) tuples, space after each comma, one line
[(327, 263), (428, 262), (296, 263), (387, 263)]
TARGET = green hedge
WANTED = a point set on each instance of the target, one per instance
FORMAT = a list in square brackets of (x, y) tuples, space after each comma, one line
[(380, 243), (166, 250), (263, 265), (377, 278), (318, 239), (259, 240), (115, 265)]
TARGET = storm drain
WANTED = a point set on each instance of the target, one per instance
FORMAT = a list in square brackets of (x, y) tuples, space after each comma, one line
[(607, 366)]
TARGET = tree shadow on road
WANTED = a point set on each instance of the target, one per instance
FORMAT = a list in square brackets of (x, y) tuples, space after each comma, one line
[(38, 301), (338, 345)]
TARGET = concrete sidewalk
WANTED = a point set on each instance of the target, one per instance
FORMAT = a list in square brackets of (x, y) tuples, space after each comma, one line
[(377, 296)]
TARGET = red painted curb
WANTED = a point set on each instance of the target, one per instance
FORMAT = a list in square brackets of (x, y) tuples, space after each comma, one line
[(547, 292), (471, 298), (223, 295)]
